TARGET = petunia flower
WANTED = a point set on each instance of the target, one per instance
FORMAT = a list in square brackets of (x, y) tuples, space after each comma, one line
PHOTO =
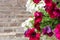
[(47, 31), (32, 34), (37, 26), (48, 1), (38, 18), (50, 9), (36, 1), (57, 31), (34, 5), (57, 13)]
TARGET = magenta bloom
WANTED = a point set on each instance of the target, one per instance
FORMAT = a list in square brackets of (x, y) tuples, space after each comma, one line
[(47, 31), (37, 26), (38, 18), (50, 9), (32, 34), (57, 31), (48, 1), (36, 1), (57, 12)]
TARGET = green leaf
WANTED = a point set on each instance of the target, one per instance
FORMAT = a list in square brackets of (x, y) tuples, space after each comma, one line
[(54, 23), (54, 0), (44, 12)]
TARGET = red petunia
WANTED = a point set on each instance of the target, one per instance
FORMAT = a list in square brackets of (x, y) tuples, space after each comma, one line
[(37, 26), (50, 9), (32, 34), (57, 13), (36, 1), (48, 1), (38, 18)]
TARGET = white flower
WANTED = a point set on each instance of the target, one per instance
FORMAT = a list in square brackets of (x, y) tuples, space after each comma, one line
[(27, 23), (43, 37), (31, 6), (40, 5)]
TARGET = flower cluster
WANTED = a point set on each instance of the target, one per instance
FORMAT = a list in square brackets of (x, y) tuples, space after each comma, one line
[(46, 19), (34, 5)]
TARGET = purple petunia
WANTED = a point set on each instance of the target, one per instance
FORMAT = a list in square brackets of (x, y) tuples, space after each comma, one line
[(47, 30)]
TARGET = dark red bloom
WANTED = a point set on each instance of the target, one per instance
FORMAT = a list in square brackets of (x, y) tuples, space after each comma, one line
[(37, 26), (36, 1), (48, 1), (38, 14), (50, 9), (32, 34), (57, 13), (47, 31), (38, 17)]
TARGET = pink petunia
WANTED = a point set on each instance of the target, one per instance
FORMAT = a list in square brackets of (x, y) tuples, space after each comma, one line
[(57, 31)]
